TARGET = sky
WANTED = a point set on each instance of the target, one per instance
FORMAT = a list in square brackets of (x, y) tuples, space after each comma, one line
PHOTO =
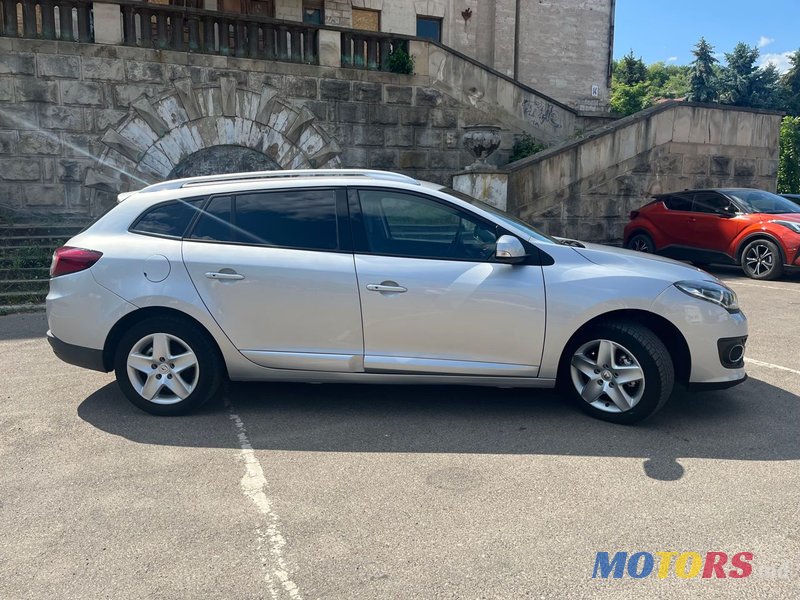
[(667, 30)]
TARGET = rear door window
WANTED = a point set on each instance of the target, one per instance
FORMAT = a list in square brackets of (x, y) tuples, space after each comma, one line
[(215, 224), (679, 202), (303, 219)]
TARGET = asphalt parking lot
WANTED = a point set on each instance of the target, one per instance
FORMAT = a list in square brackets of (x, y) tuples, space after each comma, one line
[(303, 491)]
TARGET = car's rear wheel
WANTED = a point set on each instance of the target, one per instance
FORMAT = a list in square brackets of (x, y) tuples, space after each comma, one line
[(619, 372), (167, 367), (641, 242), (761, 259)]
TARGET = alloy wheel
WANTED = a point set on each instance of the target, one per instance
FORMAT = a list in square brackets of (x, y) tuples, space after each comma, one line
[(607, 376), (760, 259), (640, 244), (162, 368)]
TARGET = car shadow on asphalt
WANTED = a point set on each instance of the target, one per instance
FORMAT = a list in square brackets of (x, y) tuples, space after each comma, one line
[(754, 421)]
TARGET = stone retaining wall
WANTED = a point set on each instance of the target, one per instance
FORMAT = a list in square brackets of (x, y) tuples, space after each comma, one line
[(81, 122)]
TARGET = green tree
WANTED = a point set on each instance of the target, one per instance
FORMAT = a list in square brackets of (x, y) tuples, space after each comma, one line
[(630, 70), (790, 83), (628, 99), (668, 81), (789, 163), (703, 77)]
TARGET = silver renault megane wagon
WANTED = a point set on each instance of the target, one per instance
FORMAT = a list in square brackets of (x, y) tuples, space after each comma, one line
[(374, 277)]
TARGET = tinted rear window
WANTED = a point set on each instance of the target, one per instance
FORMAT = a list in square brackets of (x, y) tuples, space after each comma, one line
[(169, 219), (679, 202), (290, 219), (215, 222)]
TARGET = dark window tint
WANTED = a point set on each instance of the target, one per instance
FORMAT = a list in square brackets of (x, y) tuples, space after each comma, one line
[(709, 202), (679, 202), (312, 14), (215, 222), (429, 28), (296, 219), (406, 225), (171, 218)]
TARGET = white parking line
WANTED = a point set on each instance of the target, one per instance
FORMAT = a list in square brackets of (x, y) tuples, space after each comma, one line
[(766, 287), (271, 543), (767, 365)]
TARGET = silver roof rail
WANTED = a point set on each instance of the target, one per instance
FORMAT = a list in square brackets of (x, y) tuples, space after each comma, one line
[(175, 184)]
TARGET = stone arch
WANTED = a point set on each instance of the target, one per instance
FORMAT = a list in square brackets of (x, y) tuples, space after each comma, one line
[(162, 131)]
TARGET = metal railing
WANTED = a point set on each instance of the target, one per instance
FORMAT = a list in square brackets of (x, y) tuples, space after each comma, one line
[(211, 32), (370, 50), (184, 29), (67, 20)]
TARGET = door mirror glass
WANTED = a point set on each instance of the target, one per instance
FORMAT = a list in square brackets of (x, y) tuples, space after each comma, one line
[(509, 250)]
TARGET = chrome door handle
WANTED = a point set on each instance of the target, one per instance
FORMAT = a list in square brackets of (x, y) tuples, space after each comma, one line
[(386, 286), (228, 276)]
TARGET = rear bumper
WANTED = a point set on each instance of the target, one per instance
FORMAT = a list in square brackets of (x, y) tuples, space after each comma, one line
[(88, 358)]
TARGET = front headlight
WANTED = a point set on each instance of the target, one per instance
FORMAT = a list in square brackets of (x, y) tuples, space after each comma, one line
[(793, 225), (711, 292)]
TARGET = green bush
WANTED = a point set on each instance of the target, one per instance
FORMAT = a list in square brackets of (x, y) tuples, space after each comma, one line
[(525, 146), (401, 62), (789, 165)]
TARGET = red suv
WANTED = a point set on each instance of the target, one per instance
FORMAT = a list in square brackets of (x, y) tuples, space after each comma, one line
[(757, 230)]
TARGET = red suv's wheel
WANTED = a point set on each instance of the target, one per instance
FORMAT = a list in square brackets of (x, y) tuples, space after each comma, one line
[(641, 242)]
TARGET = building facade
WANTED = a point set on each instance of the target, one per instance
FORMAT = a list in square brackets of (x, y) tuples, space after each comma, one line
[(562, 48)]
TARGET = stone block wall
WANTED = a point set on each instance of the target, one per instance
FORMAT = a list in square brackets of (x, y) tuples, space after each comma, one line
[(585, 189), (65, 108)]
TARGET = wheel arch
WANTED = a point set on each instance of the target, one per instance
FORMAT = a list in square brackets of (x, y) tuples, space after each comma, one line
[(120, 327), (759, 235), (666, 331)]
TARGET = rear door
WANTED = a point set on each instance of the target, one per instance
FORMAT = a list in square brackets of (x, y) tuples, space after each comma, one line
[(674, 221), (276, 271), (433, 299)]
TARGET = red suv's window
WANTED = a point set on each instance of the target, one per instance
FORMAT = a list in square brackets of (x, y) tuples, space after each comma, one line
[(679, 202)]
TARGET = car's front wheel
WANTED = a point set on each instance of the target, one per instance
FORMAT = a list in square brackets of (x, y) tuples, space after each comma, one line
[(761, 259), (619, 372), (166, 366)]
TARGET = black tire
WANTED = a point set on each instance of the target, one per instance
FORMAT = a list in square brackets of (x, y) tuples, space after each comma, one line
[(206, 380), (641, 242), (762, 259), (646, 348)]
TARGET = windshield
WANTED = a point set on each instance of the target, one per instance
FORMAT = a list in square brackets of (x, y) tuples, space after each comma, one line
[(757, 201), (502, 216)]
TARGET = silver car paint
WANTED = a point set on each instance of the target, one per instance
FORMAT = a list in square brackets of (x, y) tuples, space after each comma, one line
[(582, 284)]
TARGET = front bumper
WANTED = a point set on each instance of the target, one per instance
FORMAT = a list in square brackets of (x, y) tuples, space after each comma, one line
[(703, 324), (88, 358)]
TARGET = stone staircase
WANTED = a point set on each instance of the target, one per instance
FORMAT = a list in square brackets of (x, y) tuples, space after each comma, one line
[(26, 250)]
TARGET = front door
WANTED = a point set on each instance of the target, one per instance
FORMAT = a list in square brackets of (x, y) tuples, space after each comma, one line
[(275, 271), (433, 299), (712, 228)]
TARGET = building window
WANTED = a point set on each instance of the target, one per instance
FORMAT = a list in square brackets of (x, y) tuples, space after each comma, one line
[(313, 12), (429, 28), (367, 20)]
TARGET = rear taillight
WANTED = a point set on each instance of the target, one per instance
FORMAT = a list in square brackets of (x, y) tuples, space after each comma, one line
[(71, 260), (634, 214)]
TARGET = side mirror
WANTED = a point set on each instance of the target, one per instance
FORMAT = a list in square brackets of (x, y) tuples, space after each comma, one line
[(509, 250), (728, 211)]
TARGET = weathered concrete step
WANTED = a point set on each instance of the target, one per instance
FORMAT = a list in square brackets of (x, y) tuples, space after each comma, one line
[(42, 272), (25, 285), (66, 231), (25, 260), (13, 298), (49, 241), (10, 309)]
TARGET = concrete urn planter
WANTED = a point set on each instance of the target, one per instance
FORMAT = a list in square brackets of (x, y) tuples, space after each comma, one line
[(481, 141)]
